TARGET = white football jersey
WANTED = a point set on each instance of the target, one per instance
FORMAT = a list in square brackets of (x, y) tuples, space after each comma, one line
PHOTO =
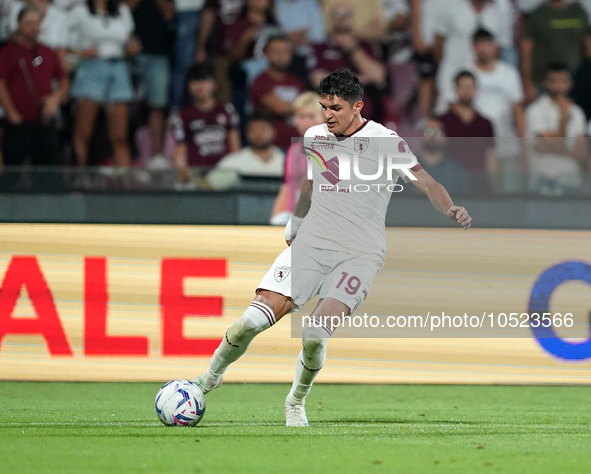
[(350, 195)]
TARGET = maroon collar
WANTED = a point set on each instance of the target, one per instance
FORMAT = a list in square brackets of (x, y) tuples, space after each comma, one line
[(24, 44), (350, 135)]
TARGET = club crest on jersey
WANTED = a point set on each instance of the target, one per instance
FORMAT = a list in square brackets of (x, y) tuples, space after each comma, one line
[(361, 144), (281, 273)]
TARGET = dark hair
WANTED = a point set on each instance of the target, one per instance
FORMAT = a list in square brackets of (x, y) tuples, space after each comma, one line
[(557, 66), (200, 71), (462, 74), (278, 37), (259, 117), (112, 7), (343, 84), (482, 34), (26, 9), (269, 14)]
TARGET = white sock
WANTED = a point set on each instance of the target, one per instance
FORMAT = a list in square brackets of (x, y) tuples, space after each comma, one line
[(255, 320), (310, 361)]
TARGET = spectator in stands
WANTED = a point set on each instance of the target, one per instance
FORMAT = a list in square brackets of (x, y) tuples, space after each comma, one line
[(188, 15), (343, 49), (217, 17), (54, 25), (154, 28), (556, 31), (556, 135), (368, 21), (101, 35), (396, 40), (434, 160), (500, 99), (472, 137), (209, 129), (245, 42), (274, 90), (248, 36), (397, 53), (510, 30), (303, 23), (424, 14), (307, 113), (259, 158), (27, 72), (456, 25)]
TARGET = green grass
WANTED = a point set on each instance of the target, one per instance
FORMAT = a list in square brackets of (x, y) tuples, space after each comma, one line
[(112, 428)]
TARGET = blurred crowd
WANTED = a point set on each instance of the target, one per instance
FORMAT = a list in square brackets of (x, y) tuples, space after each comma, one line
[(492, 94)]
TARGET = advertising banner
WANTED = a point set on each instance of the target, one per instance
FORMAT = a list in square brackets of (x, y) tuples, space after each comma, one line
[(151, 303)]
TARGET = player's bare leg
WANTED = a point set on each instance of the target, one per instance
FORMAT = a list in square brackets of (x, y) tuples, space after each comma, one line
[(265, 310), (311, 359)]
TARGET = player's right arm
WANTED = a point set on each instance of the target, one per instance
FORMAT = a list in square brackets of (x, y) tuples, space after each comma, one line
[(300, 211), (440, 199)]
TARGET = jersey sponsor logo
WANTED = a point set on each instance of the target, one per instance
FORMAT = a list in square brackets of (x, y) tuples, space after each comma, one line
[(333, 188), (361, 144), (331, 168), (332, 172), (281, 273), (322, 146), (321, 137)]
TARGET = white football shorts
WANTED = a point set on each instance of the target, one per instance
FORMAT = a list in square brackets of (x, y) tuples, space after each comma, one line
[(346, 277)]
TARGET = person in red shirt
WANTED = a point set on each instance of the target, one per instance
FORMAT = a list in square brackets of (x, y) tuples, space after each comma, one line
[(251, 30), (275, 90), (27, 72), (217, 17), (208, 130), (471, 142), (344, 50)]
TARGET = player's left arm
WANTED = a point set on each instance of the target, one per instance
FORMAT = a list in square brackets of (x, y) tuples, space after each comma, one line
[(440, 199)]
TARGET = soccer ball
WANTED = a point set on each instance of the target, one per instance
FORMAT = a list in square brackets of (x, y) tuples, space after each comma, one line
[(180, 403)]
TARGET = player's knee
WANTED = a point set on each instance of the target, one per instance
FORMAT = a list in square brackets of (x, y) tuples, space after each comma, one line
[(313, 345), (246, 327)]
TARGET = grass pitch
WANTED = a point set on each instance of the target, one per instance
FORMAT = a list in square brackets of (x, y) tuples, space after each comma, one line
[(112, 428)]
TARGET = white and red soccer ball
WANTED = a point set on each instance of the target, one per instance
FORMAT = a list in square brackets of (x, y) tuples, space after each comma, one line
[(180, 403)]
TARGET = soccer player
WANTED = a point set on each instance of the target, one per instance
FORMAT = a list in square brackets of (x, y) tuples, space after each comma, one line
[(339, 239)]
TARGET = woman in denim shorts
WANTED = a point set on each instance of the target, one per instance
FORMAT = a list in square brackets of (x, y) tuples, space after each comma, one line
[(101, 33)]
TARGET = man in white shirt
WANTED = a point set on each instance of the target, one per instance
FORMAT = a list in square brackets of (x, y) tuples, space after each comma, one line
[(424, 17), (458, 22), (556, 137), (500, 99), (260, 158)]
